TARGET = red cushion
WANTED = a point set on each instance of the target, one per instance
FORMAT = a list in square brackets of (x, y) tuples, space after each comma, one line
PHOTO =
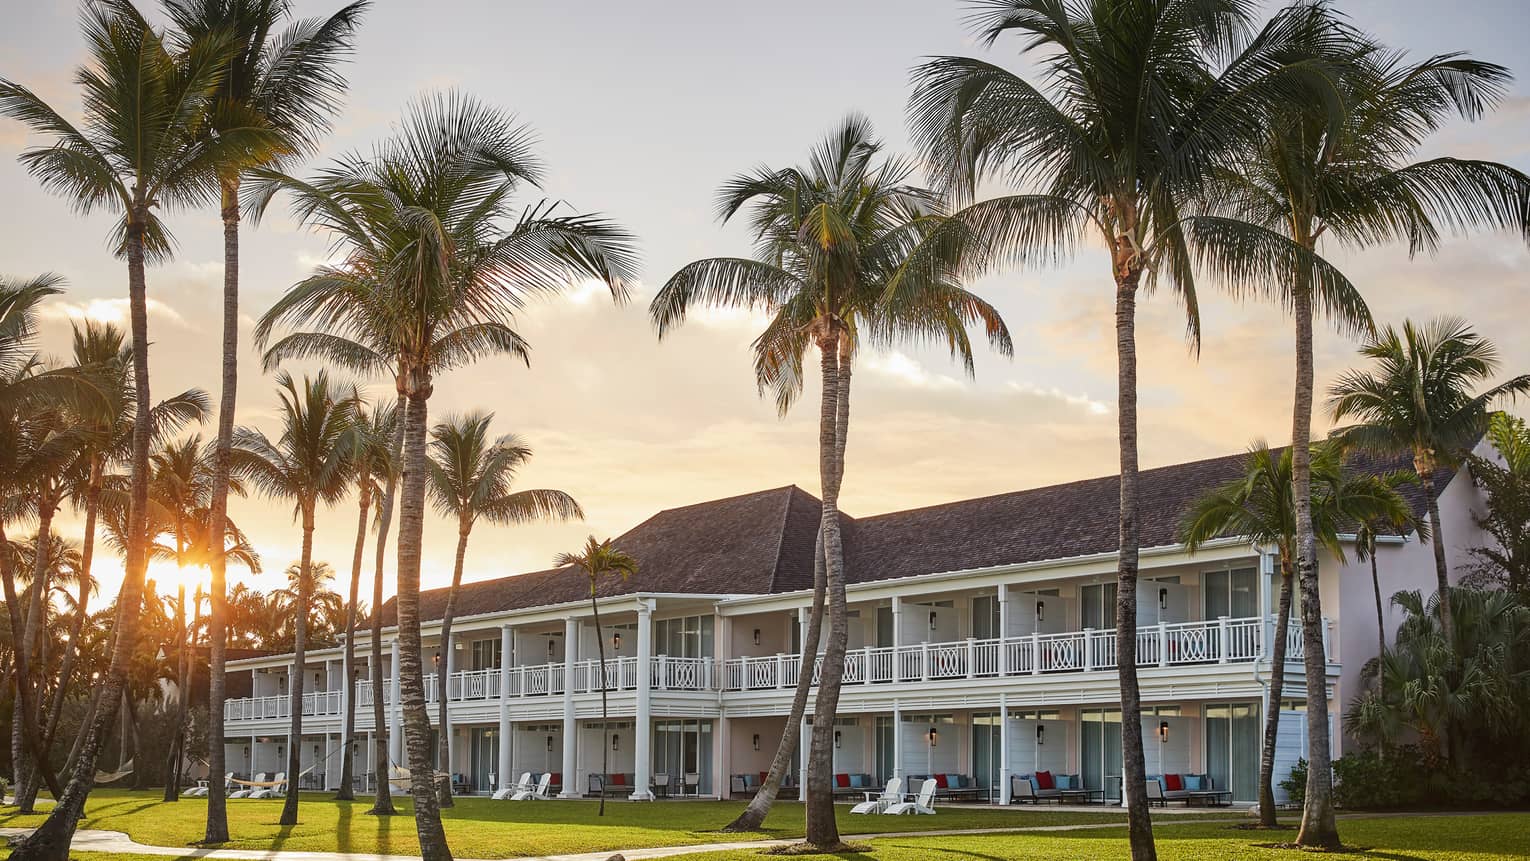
[(763, 775), (842, 781), (618, 780), (1044, 780), (1172, 783), (557, 778), (941, 782)]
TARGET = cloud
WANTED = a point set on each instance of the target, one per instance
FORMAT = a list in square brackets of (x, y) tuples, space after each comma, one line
[(106, 311)]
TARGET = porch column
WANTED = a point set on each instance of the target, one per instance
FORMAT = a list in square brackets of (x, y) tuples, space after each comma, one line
[(897, 614), (804, 741), (1003, 746), (570, 725), (643, 728), (331, 774), (395, 716), (443, 690), (1267, 586), (502, 775), (1003, 630), (897, 737)]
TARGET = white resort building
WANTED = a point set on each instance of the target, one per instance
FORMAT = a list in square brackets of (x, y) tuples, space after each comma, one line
[(980, 645)]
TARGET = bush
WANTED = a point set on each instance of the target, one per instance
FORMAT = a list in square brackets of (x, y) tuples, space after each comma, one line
[(1400, 777), (1296, 785)]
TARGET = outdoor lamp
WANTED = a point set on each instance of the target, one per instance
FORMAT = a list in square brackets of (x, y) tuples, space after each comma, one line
[(552, 648), (756, 741), (1163, 731), (616, 640), (756, 636), (549, 742), (1041, 610), (1163, 599), (932, 620), (836, 739), (437, 659), (1041, 734), (246, 750), (933, 736), (616, 743)]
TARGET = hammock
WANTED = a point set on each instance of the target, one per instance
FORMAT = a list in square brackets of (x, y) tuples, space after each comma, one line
[(122, 771)]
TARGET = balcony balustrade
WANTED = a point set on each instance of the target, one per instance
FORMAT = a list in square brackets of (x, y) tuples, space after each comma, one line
[(1214, 641)]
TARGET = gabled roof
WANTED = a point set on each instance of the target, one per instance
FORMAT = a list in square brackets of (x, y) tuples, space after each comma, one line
[(762, 543)]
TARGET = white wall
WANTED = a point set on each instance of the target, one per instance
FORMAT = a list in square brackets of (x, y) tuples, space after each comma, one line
[(1167, 757)]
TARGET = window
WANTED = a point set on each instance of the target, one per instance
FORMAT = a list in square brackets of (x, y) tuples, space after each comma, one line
[(1234, 593), (685, 637), (1099, 606), (884, 627), (486, 654), (985, 617)]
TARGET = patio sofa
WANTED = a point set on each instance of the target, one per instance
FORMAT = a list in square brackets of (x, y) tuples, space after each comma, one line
[(746, 785), (610, 784), (853, 785), (953, 787), (1164, 788), (1041, 786)]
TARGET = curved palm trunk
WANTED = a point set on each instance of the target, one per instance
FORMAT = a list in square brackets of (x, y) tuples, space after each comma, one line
[(1424, 464), (822, 828), (1381, 619), (1267, 816), (27, 774), (411, 528), (600, 651), (1319, 827), (382, 802), (347, 760), (442, 683), (299, 671), (754, 815), (178, 734), (50, 842), (25, 744), (1134, 768), (217, 619)]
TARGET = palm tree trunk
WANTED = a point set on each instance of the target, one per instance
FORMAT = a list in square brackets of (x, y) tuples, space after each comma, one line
[(1134, 768), (27, 775), (50, 842), (1319, 827), (754, 815), (1267, 817), (1381, 621), (25, 744), (600, 651), (411, 528), (81, 605), (442, 683), (183, 691), (382, 802), (79, 737), (822, 828), (299, 671), (1424, 464), (217, 620), (347, 761)]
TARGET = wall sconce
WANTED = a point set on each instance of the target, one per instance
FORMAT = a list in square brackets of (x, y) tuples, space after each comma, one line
[(246, 750), (279, 749), (616, 640), (756, 636), (437, 660), (552, 649), (836, 739), (1163, 732), (756, 741), (616, 741), (933, 617), (1041, 611), (933, 736), (315, 681), (1041, 734), (316, 752), (549, 743), (1163, 599)]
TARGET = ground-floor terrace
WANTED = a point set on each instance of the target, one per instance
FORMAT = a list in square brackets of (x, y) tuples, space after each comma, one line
[(982, 750)]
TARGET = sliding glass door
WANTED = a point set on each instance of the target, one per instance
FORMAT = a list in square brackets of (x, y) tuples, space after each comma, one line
[(1232, 748), (682, 747), (1100, 751), (483, 756)]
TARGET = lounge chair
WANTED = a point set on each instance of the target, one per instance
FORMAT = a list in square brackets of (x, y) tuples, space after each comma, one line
[(506, 792), (875, 803), (246, 792), (539, 793), (924, 803), (277, 791)]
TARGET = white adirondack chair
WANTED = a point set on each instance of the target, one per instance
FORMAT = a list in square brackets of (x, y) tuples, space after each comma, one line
[(540, 793), (875, 803), (260, 777), (523, 783), (923, 803)]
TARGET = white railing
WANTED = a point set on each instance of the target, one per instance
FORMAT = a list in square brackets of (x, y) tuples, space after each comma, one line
[(315, 704)]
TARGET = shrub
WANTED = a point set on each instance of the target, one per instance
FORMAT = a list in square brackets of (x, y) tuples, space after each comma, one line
[(1296, 784)]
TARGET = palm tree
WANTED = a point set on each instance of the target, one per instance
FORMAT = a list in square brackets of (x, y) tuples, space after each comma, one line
[(470, 478), (1261, 506), (843, 257), (1357, 185), (286, 82), (308, 594), (140, 149), (370, 458), (432, 280), (1141, 102), (596, 560), (306, 464), (1419, 400)]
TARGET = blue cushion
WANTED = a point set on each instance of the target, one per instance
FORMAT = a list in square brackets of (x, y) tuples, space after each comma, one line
[(857, 782), (1064, 781), (1193, 782)]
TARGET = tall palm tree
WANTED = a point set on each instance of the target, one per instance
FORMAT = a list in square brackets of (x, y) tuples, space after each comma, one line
[(282, 77), (139, 150), (1261, 506), (597, 560), (845, 256), (1141, 101), (1419, 399), (371, 459), (1358, 185), (432, 280), (308, 593), (470, 478), (306, 464)]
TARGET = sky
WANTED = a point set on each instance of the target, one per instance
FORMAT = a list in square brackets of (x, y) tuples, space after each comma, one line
[(641, 111)]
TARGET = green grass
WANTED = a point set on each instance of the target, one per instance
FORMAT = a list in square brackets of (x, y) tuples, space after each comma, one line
[(1413, 838), (483, 828)]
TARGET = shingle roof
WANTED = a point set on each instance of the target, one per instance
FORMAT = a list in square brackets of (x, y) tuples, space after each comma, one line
[(762, 542)]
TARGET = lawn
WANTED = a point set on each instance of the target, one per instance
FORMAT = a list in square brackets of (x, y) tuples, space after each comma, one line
[(483, 828)]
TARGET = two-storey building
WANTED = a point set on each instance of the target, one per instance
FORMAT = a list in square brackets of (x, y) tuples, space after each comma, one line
[(980, 643)]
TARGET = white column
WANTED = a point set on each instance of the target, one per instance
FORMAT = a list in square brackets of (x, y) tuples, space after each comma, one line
[(643, 729), (897, 614), (804, 741), (898, 737), (395, 715), (570, 725), (443, 689), (503, 775), (1003, 599), (1267, 581), (331, 761), (1003, 744)]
